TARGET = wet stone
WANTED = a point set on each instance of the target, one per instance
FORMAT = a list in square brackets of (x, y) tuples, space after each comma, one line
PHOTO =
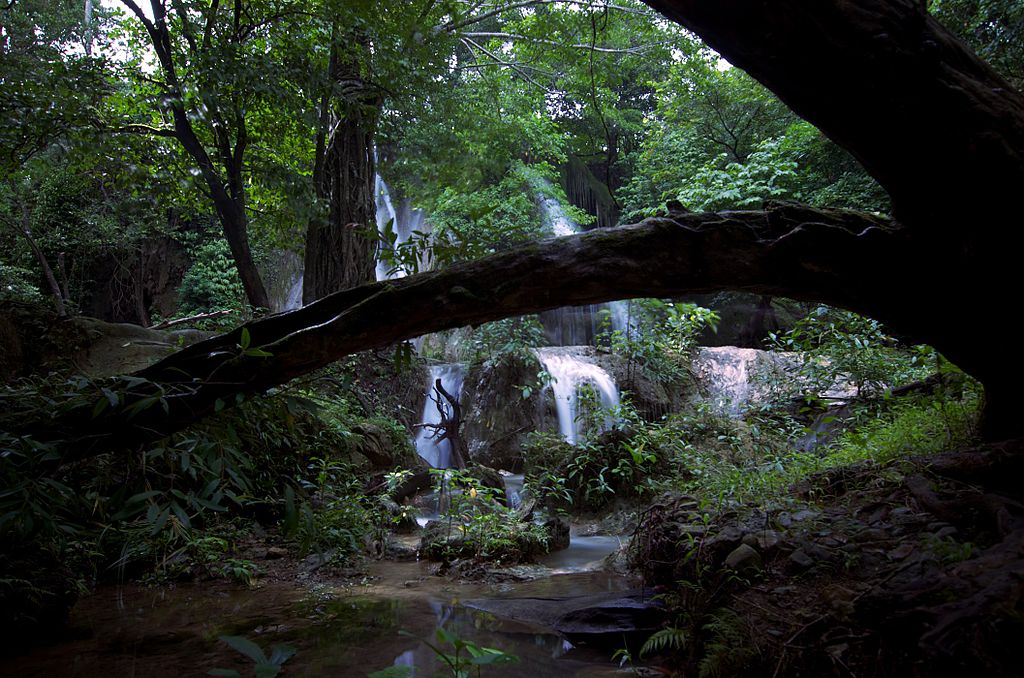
[(765, 540)]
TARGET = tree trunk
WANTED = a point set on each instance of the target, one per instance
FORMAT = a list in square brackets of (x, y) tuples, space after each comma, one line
[(788, 251), (340, 248), (37, 252)]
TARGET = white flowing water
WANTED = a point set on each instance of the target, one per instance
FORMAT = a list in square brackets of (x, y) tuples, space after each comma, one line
[(513, 489), (583, 554), (438, 453), (570, 370), (405, 220), (725, 372), (574, 325)]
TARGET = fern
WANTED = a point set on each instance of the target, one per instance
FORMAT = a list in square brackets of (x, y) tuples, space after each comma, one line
[(728, 652), (669, 638)]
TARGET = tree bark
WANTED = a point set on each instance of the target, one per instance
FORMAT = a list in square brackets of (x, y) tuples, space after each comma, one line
[(44, 264), (340, 248), (786, 250)]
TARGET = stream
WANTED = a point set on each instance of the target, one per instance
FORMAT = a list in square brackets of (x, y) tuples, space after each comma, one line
[(343, 630)]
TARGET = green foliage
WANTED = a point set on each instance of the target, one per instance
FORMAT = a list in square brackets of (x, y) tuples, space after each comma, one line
[(837, 348), (659, 337), (494, 217), (669, 638), (461, 660), (211, 282), (518, 336), (622, 463), (18, 285), (263, 666), (478, 524), (729, 650)]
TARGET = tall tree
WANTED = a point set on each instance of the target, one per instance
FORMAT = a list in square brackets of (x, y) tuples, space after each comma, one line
[(210, 61)]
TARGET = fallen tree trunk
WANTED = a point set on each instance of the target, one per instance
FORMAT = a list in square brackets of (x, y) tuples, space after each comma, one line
[(786, 250)]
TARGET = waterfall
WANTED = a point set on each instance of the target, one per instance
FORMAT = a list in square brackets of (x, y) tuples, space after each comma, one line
[(570, 370), (573, 325), (513, 488), (405, 220), (725, 371), (438, 453), (294, 298)]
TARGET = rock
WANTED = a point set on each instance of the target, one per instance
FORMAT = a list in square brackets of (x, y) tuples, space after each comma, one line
[(382, 448), (558, 533), (497, 416), (723, 542), (401, 550), (744, 559), (800, 560), (765, 540), (805, 514), (275, 552), (315, 561), (442, 542), (595, 619)]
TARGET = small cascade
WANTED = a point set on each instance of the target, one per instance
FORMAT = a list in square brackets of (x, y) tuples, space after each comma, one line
[(573, 325), (584, 553), (570, 370), (405, 220), (725, 372), (294, 298), (438, 453), (513, 489)]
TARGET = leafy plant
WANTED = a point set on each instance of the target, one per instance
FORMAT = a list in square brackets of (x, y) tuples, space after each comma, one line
[(465, 655), (263, 666)]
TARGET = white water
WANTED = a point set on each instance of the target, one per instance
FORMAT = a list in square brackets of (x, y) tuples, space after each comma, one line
[(570, 369), (294, 298), (405, 222), (438, 453), (725, 372), (583, 554), (513, 489), (574, 325)]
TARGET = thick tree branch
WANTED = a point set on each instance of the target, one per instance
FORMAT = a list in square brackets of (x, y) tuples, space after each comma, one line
[(786, 250)]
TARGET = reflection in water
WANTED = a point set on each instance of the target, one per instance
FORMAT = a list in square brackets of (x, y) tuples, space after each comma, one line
[(133, 631)]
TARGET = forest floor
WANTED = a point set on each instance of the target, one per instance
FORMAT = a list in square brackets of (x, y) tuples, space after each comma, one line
[(916, 568)]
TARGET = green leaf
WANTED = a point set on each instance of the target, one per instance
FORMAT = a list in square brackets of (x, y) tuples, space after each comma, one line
[(392, 672), (246, 647), (246, 339), (281, 653)]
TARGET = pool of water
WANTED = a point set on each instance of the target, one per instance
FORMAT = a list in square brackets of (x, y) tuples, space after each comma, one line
[(337, 631)]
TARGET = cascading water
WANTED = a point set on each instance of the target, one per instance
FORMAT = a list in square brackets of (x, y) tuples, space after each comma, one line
[(725, 371), (436, 452), (573, 325), (570, 370), (405, 220)]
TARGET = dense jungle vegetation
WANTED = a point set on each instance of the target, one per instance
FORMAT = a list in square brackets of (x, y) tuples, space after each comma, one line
[(281, 197)]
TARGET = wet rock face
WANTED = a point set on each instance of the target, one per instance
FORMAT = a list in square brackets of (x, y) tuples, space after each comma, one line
[(498, 417), (383, 450)]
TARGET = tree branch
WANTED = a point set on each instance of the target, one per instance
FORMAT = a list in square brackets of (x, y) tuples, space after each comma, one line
[(786, 250)]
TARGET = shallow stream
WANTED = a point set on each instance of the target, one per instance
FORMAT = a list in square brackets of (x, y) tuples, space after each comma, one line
[(338, 631)]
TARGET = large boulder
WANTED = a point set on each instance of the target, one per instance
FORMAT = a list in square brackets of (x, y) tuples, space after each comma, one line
[(498, 415)]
